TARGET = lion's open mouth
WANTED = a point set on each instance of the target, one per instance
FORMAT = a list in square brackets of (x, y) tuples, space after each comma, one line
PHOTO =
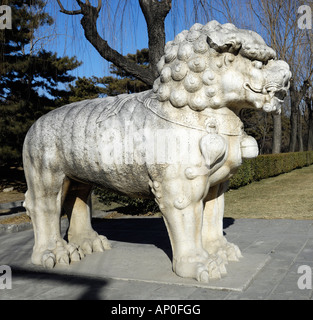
[(276, 94), (273, 91)]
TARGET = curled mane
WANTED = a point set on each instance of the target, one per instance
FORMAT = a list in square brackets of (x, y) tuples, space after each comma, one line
[(189, 68)]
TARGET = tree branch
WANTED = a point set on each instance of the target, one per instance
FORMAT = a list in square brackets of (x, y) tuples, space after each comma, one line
[(89, 24), (73, 12), (99, 5)]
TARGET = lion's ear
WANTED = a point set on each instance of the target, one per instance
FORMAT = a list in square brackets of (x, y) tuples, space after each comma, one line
[(224, 43)]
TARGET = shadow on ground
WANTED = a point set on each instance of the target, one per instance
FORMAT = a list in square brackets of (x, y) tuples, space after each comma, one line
[(140, 230), (88, 287), (53, 284)]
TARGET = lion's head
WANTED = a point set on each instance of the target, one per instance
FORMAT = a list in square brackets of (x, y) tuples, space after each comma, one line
[(214, 66)]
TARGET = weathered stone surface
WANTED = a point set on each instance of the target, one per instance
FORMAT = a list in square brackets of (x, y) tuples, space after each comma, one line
[(179, 143)]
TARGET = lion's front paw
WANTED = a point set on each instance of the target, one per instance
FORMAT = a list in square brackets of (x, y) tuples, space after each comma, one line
[(90, 242), (225, 250), (233, 252), (200, 267), (62, 254)]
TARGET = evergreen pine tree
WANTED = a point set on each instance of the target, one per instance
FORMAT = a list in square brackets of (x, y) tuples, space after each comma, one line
[(84, 88), (30, 82), (124, 82)]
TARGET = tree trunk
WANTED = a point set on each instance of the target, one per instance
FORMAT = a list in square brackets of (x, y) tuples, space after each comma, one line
[(155, 13), (277, 133), (309, 103), (293, 118), (300, 136), (296, 97), (293, 129), (89, 23)]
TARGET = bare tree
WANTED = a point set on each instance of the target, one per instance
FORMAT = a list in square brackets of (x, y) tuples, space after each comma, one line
[(299, 88), (308, 97), (275, 20), (279, 20), (155, 13), (309, 105)]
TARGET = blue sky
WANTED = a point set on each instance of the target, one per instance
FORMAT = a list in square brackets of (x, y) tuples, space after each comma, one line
[(66, 36), (69, 39)]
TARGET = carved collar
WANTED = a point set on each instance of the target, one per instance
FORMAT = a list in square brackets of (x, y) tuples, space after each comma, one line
[(222, 121)]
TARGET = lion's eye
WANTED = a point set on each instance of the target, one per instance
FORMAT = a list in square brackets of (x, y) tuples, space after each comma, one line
[(257, 64)]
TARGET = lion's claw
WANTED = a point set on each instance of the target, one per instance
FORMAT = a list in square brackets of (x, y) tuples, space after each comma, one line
[(65, 253), (48, 260), (91, 243), (201, 267), (86, 247), (203, 276), (225, 250)]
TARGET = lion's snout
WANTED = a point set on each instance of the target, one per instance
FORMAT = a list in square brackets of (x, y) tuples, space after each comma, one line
[(277, 76)]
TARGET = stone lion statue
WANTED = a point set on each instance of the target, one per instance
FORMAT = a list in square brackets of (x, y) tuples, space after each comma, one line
[(179, 143)]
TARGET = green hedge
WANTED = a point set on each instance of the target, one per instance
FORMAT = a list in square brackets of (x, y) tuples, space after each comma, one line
[(269, 165), (262, 167)]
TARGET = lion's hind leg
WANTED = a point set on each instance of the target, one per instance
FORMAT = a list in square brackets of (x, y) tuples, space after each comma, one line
[(43, 204), (77, 206)]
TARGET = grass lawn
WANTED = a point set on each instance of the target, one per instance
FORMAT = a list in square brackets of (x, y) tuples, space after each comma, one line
[(287, 196)]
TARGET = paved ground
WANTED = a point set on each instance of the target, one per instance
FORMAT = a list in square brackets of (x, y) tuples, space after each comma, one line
[(280, 246)]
